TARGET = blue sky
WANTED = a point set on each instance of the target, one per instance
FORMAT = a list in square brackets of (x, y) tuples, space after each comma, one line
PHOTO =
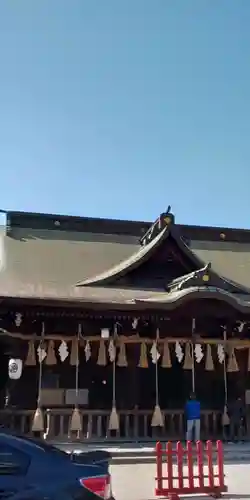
[(118, 108)]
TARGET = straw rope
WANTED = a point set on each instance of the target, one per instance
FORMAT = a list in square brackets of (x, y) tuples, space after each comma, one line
[(133, 339)]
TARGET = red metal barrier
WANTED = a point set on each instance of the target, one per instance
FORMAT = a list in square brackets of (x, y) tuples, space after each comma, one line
[(190, 470)]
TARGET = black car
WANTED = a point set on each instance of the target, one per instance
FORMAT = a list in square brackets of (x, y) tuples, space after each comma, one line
[(31, 469)]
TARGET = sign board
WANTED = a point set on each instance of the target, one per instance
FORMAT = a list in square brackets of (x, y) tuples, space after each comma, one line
[(83, 397)]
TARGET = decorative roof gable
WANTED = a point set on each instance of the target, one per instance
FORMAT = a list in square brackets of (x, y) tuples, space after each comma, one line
[(195, 273)]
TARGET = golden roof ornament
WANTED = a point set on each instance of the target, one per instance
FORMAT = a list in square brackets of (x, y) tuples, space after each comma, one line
[(167, 220), (205, 278)]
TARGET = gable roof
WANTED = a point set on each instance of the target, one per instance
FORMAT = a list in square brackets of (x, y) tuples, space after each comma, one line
[(127, 265), (144, 253), (43, 260)]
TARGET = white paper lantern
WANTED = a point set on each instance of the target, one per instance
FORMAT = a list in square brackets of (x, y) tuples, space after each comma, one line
[(15, 368)]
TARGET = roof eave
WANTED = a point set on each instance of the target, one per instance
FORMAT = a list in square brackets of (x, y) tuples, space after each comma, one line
[(201, 263), (141, 256), (177, 298), (145, 253)]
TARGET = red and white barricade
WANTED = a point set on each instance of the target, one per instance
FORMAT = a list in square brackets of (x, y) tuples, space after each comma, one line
[(194, 469)]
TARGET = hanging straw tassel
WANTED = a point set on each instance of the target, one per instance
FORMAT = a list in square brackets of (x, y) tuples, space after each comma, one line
[(143, 362), (157, 417), (76, 420), (188, 363), (122, 357), (38, 419), (102, 354), (51, 357), (166, 358), (209, 365), (31, 356), (74, 352), (232, 365), (114, 423)]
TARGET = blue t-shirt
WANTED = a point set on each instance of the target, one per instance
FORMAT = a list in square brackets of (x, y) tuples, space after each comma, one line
[(193, 410)]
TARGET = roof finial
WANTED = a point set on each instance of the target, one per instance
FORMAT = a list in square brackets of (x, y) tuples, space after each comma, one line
[(164, 220)]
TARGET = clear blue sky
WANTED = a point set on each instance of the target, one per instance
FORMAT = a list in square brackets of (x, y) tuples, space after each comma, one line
[(117, 108)]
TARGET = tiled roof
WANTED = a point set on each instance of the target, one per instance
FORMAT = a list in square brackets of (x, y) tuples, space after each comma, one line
[(141, 255), (55, 260), (48, 263), (228, 259)]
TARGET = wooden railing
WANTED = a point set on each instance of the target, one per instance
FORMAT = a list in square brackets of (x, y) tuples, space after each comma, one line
[(135, 425)]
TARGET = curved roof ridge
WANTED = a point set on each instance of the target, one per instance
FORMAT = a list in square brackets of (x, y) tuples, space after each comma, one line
[(142, 255), (202, 292), (201, 263), (242, 288), (145, 252), (175, 294)]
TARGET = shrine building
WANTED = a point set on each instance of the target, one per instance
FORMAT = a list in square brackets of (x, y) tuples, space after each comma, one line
[(107, 326)]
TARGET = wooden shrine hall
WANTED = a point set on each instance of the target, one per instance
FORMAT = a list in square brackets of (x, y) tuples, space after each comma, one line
[(107, 326)]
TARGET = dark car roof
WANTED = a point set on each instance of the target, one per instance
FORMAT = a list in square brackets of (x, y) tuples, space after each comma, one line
[(30, 445), (35, 445)]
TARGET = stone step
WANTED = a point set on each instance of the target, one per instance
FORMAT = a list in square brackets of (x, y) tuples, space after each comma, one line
[(151, 460), (124, 454)]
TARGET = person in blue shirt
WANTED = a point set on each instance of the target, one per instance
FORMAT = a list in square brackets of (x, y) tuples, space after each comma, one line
[(193, 416)]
